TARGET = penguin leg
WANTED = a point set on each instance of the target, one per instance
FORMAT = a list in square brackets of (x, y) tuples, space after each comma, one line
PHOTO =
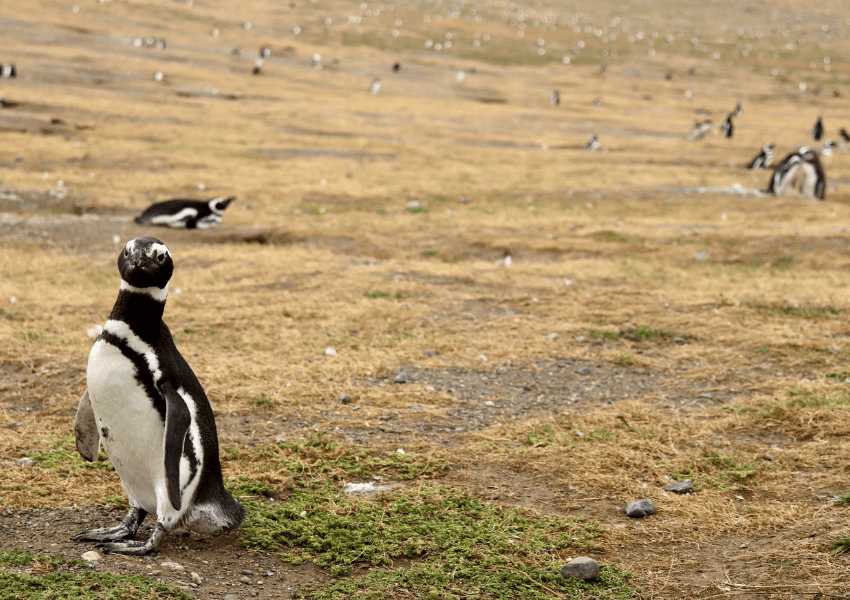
[(136, 547), (127, 529)]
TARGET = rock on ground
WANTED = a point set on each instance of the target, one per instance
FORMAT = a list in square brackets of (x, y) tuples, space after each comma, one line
[(582, 567), (641, 508), (685, 486)]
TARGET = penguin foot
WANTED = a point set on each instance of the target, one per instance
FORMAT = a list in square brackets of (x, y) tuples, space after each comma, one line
[(135, 547), (120, 532), (127, 529)]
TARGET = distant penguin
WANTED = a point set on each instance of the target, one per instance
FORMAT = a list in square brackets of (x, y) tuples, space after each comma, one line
[(592, 143), (376, 86), (555, 98), (799, 169), (727, 128), (158, 76), (186, 214), (739, 108), (817, 130), (316, 61), (764, 159), (8, 71), (827, 148), (258, 66), (161, 44), (396, 67), (265, 52), (460, 77), (145, 406), (845, 137), (699, 130)]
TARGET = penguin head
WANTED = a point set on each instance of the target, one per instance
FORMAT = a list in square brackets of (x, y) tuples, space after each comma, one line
[(217, 205), (145, 262)]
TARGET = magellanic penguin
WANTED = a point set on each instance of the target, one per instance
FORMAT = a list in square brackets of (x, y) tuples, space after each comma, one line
[(376, 86), (555, 98), (817, 130), (148, 410), (592, 143), (801, 169), (186, 214), (764, 159), (726, 128)]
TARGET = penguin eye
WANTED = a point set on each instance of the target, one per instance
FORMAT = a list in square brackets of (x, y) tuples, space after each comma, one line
[(126, 252), (161, 257)]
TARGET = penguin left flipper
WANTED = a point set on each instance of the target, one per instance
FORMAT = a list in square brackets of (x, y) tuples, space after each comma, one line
[(85, 430), (177, 421)]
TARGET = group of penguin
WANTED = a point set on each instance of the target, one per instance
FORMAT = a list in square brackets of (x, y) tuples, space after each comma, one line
[(800, 169)]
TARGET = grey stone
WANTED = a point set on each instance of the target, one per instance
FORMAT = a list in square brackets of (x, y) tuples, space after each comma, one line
[(430, 353), (25, 461), (196, 578), (91, 556), (414, 206), (641, 508), (401, 377), (583, 371), (553, 336), (582, 567), (680, 340), (345, 398), (231, 597), (767, 457), (705, 395), (247, 572), (245, 579), (702, 256), (685, 486)]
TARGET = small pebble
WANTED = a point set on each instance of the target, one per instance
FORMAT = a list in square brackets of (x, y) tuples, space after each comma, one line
[(247, 572), (553, 336), (231, 597), (25, 461), (580, 339), (705, 395), (767, 457), (743, 546), (330, 351), (245, 579), (583, 371), (172, 565), (413, 206), (345, 398), (197, 578), (430, 353), (401, 377), (702, 256), (91, 556), (680, 340), (582, 567), (686, 486), (641, 508)]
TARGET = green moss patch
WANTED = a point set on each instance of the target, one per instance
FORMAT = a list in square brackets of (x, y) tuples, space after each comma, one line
[(456, 545), (48, 583)]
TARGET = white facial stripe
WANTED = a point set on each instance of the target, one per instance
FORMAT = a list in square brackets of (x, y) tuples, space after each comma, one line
[(159, 294), (154, 250), (130, 246), (122, 330), (212, 204)]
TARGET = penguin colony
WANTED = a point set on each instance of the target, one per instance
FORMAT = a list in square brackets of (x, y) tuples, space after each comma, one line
[(145, 406), (186, 214)]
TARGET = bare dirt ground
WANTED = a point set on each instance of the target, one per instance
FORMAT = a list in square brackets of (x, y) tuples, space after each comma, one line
[(659, 317)]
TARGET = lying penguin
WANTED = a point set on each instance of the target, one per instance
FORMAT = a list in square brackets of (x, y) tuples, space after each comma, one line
[(187, 214), (148, 410)]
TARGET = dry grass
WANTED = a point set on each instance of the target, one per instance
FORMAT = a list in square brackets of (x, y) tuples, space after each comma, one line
[(323, 173)]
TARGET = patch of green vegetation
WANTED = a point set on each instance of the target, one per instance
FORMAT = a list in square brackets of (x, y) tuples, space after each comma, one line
[(31, 336), (784, 260), (321, 457), (842, 544), (625, 360), (429, 253), (799, 312), (374, 295), (460, 545), (842, 377), (244, 487), (763, 350), (606, 235), (605, 335), (842, 499), (88, 585), (714, 469), (805, 399), (11, 316), (18, 557), (600, 434), (60, 454), (641, 333), (263, 400)]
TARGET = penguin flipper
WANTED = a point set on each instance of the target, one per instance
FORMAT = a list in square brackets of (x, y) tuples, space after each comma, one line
[(177, 420), (85, 430)]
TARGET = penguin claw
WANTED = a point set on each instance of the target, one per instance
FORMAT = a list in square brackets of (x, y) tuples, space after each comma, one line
[(104, 535)]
